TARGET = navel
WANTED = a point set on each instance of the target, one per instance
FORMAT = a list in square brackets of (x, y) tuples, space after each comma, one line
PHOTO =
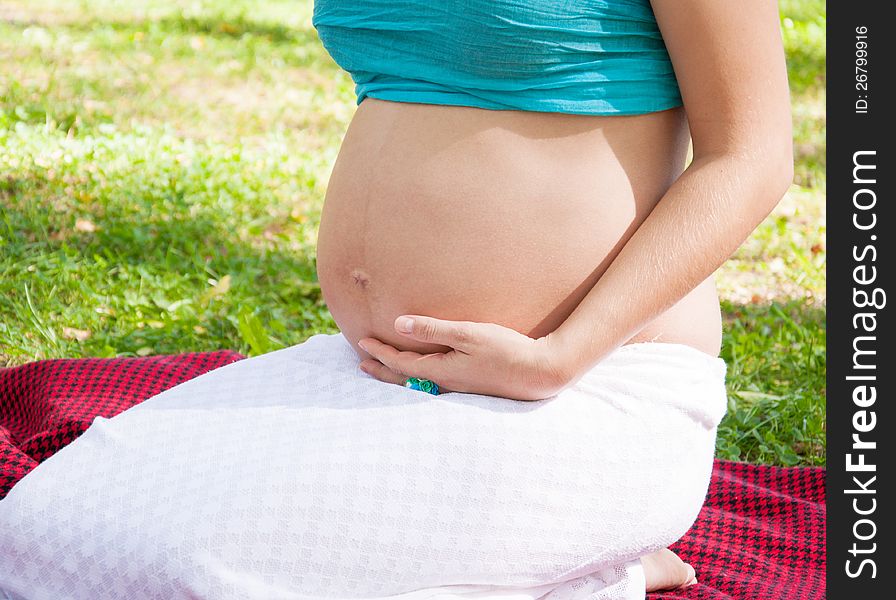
[(360, 278)]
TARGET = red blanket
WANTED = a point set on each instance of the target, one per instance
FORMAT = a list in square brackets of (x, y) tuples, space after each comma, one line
[(761, 534)]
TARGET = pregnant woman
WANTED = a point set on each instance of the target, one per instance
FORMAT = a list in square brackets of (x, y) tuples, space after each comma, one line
[(511, 227)]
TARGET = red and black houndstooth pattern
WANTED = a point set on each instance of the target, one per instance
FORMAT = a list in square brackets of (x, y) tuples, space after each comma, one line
[(760, 536)]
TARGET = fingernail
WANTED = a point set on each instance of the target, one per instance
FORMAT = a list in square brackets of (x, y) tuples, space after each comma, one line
[(404, 324), (363, 347)]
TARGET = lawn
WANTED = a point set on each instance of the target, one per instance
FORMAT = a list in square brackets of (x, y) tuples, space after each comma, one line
[(163, 166)]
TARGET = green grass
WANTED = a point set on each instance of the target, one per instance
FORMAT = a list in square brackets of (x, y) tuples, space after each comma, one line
[(147, 242), (163, 165), (776, 380)]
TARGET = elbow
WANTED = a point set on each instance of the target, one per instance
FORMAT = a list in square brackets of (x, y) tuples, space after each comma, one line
[(760, 165), (764, 174), (773, 172), (779, 176), (777, 155), (773, 161), (782, 169)]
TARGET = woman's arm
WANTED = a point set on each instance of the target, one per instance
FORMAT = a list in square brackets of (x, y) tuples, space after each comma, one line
[(729, 61)]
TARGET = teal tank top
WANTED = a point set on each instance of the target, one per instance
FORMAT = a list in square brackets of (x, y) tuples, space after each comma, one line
[(591, 57)]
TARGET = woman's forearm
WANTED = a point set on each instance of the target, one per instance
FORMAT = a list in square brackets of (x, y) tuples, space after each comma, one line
[(703, 217)]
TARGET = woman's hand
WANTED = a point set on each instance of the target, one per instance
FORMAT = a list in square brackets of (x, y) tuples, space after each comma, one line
[(486, 358)]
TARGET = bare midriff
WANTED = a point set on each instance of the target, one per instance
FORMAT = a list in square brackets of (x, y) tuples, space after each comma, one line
[(507, 217)]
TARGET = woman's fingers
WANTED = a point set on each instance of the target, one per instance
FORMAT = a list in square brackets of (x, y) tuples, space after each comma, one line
[(460, 335), (377, 369), (404, 362), (373, 367)]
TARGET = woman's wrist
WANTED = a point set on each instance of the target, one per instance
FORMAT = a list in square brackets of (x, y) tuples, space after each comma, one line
[(573, 349), (562, 364)]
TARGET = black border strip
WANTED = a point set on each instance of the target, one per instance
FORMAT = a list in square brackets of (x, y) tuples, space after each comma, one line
[(860, 391)]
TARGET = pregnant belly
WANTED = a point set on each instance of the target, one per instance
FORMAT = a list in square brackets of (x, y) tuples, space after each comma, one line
[(494, 216)]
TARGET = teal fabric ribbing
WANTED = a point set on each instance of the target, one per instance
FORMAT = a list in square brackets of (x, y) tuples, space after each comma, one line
[(573, 56)]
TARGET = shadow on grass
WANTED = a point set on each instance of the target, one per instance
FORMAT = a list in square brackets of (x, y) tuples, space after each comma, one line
[(145, 283), (235, 27), (220, 26)]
